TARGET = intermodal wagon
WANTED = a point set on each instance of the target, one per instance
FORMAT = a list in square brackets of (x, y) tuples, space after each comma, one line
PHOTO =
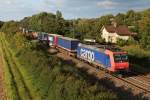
[(53, 39), (68, 45)]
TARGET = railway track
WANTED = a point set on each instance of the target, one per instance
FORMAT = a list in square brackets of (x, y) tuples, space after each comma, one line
[(141, 76), (139, 81), (21, 90), (136, 82)]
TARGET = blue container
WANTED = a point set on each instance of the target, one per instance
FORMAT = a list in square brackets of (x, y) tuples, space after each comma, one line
[(93, 54), (68, 43)]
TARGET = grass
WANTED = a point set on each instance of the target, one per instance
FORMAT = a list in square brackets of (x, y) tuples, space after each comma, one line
[(17, 79), (11, 89)]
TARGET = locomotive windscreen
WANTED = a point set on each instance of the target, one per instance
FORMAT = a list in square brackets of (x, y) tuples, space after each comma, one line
[(120, 57)]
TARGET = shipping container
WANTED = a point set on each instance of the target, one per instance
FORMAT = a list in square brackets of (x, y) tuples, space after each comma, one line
[(68, 43), (43, 36), (53, 39), (93, 55)]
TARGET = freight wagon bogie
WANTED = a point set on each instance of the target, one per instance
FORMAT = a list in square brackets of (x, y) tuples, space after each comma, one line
[(62, 50), (66, 52)]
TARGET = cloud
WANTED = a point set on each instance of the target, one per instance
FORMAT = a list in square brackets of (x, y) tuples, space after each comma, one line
[(17, 9), (8, 2), (56, 3), (107, 4)]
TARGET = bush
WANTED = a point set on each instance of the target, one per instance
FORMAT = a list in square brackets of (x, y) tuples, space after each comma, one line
[(130, 41), (138, 56), (121, 42)]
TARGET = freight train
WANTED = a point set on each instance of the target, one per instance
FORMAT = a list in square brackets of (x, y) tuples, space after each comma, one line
[(107, 57)]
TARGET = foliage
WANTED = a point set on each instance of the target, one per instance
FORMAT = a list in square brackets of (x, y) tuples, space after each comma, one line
[(8, 77), (145, 40), (130, 41), (10, 27), (17, 79), (145, 30), (46, 22), (138, 56), (121, 42), (1, 24), (20, 40), (91, 28)]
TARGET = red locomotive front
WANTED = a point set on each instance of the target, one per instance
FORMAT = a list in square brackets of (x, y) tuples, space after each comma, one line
[(120, 61)]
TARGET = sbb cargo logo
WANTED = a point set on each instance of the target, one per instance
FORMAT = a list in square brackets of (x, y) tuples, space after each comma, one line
[(87, 54)]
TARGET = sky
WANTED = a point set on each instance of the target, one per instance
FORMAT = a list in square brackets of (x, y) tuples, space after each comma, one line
[(71, 9)]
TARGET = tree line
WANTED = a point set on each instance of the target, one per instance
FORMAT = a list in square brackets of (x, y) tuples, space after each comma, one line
[(138, 22)]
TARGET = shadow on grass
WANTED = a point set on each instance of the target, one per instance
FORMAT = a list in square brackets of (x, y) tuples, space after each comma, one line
[(140, 65)]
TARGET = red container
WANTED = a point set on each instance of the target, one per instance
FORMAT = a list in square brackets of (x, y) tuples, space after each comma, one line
[(53, 39)]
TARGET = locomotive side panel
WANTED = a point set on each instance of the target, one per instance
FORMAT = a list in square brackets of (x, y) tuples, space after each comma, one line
[(94, 56)]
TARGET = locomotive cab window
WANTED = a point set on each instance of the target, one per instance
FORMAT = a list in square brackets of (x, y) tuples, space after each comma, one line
[(117, 57), (124, 57), (120, 57)]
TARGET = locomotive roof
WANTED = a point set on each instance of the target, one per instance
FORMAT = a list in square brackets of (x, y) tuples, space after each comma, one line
[(103, 47), (109, 47), (67, 38)]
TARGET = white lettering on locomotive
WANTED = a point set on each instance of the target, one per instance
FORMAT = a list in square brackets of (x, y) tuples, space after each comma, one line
[(87, 54)]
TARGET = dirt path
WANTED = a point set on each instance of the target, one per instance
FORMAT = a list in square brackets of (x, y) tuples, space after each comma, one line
[(2, 91)]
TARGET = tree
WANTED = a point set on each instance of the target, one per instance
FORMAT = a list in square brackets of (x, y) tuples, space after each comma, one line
[(120, 19), (121, 42), (1, 24), (58, 14), (145, 40), (105, 20), (10, 27), (20, 40), (144, 25)]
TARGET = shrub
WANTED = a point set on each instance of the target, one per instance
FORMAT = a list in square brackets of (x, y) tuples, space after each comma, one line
[(130, 41)]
